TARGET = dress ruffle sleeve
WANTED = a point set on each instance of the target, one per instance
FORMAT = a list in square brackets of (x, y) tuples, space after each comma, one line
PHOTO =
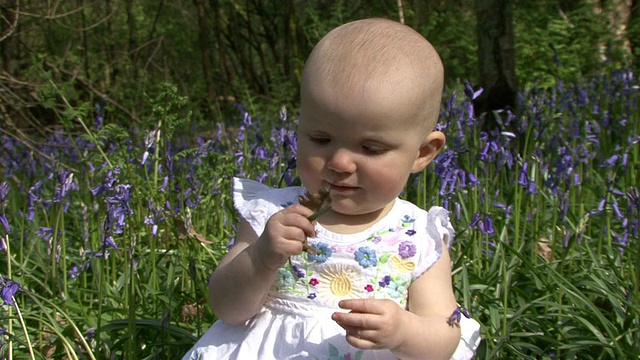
[(469, 339), (257, 202), (439, 232)]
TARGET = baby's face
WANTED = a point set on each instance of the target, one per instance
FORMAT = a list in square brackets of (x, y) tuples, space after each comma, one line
[(363, 143)]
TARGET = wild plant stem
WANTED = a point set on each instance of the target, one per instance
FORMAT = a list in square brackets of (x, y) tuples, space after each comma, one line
[(84, 126)]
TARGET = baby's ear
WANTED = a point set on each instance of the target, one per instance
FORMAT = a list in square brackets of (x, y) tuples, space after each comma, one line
[(431, 146)]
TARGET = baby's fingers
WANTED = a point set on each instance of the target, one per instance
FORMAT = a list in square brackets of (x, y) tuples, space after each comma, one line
[(296, 216)]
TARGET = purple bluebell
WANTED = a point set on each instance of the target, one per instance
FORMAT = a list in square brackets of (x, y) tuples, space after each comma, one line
[(45, 233), (165, 182), (5, 223), (35, 196), (610, 162), (9, 289), (469, 92), (90, 334), (4, 191), (155, 217), (74, 272)]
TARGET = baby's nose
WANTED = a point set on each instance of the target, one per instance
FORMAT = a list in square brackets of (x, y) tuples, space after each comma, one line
[(342, 161)]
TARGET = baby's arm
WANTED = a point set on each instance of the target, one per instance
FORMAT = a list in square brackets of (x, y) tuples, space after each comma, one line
[(422, 332), (239, 285)]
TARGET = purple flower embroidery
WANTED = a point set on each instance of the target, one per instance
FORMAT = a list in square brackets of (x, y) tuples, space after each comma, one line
[(407, 249), (385, 281), (299, 273)]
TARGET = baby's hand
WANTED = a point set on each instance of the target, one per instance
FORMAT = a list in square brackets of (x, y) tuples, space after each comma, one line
[(284, 236), (371, 324)]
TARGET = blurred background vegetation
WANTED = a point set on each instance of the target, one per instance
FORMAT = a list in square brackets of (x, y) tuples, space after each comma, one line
[(221, 53), (138, 88)]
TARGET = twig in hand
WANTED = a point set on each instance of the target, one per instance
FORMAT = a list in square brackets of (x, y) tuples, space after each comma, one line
[(320, 203)]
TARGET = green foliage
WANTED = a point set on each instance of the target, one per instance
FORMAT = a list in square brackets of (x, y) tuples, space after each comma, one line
[(256, 50), (148, 297), (565, 44)]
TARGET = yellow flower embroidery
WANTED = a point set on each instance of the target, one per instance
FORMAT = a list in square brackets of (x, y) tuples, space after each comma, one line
[(402, 265), (338, 283)]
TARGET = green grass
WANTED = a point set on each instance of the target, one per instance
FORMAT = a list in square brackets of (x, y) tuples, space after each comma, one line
[(147, 298)]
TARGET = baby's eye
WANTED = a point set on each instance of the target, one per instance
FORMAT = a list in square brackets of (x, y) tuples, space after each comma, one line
[(320, 140), (373, 150)]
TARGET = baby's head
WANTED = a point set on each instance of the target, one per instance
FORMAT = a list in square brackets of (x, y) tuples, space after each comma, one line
[(370, 98), (381, 62)]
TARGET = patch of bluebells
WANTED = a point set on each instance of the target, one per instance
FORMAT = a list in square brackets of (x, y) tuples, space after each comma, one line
[(570, 133)]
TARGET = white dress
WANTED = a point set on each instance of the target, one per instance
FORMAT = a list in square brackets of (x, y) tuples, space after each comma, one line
[(378, 263)]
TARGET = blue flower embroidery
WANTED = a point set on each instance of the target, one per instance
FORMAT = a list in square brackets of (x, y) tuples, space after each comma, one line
[(396, 289), (284, 279), (408, 219), (366, 256), (324, 252)]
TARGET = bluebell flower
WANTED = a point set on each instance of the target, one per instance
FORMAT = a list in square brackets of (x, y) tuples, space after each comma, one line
[(4, 191), (469, 92), (90, 333), (366, 256), (456, 316), (165, 182), (74, 272), (35, 195), (155, 217), (45, 233), (610, 162), (9, 290), (5, 223)]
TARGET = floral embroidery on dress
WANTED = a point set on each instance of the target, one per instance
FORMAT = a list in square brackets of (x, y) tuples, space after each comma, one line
[(402, 265), (397, 288), (392, 235), (381, 270), (334, 354), (366, 256), (284, 279), (340, 282), (324, 252), (407, 249)]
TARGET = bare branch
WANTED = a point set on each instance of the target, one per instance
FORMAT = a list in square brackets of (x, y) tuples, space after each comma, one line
[(13, 23)]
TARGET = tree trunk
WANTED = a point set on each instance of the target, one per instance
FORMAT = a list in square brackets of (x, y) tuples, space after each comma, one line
[(619, 13), (205, 48), (634, 41), (496, 58), (133, 51)]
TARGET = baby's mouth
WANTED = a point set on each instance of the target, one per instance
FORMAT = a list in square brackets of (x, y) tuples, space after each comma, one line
[(341, 188)]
